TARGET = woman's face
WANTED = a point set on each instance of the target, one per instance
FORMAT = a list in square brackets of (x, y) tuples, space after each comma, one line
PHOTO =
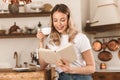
[(60, 22)]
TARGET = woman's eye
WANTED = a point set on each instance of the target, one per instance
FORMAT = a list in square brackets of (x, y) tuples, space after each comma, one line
[(54, 20), (62, 20)]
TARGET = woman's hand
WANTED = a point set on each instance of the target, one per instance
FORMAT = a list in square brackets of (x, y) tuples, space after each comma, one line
[(64, 65), (40, 36)]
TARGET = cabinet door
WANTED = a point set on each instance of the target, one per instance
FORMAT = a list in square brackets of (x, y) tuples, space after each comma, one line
[(116, 76), (103, 76)]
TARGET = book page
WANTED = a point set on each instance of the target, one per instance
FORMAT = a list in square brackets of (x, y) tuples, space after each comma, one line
[(67, 52), (48, 55)]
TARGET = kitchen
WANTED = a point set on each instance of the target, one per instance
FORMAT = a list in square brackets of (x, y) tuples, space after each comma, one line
[(24, 46)]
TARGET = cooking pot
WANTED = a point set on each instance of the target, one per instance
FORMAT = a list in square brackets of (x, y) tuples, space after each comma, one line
[(97, 45), (113, 45), (105, 55)]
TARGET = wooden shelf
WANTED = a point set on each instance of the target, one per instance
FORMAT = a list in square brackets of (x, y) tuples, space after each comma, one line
[(18, 36), (102, 28), (19, 15)]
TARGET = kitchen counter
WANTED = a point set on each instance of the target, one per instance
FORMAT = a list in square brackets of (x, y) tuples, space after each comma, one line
[(33, 75), (109, 70)]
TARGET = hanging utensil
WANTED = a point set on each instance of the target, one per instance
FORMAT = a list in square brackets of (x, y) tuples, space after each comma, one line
[(119, 54), (113, 45), (97, 45), (105, 56), (104, 45)]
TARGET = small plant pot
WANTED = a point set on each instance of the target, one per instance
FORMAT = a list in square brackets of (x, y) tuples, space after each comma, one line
[(13, 8)]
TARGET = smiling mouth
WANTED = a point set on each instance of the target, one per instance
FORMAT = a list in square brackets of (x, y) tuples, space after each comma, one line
[(60, 28)]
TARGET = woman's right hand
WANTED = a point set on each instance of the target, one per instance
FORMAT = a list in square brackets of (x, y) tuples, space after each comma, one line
[(40, 36), (64, 65)]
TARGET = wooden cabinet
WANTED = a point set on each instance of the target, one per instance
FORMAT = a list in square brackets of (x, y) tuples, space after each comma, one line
[(37, 75), (106, 76)]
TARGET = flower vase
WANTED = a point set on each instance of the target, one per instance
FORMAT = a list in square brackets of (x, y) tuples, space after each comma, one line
[(13, 8)]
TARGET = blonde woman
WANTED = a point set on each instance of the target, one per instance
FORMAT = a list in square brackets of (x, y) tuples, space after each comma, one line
[(63, 32)]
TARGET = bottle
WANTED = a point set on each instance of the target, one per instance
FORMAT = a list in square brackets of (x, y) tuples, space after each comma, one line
[(39, 27), (39, 24), (37, 57)]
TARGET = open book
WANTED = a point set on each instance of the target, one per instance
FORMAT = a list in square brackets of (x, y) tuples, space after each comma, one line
[(67, 52)]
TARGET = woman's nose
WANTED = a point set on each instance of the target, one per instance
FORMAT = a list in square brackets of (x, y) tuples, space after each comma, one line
[(59, 23)]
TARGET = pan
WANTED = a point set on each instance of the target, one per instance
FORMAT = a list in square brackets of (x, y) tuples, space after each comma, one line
[(97, 45), (119, 54), (105, 56), (113, 45)]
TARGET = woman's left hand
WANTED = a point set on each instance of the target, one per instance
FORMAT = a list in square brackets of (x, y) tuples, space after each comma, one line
[(64, 65)]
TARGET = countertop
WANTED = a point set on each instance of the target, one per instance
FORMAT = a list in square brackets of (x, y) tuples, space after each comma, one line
[(108, 70), (16, 70), (31, 75)]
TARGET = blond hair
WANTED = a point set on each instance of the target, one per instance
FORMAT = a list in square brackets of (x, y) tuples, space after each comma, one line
[(71, 29)]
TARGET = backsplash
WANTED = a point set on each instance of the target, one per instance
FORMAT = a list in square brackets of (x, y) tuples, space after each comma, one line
[(23, 46), (114, 62)]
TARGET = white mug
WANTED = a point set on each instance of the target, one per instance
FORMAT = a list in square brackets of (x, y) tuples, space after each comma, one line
[(45, 30)]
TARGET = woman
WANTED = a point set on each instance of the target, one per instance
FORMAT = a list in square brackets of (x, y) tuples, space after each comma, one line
[(63, 32)]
